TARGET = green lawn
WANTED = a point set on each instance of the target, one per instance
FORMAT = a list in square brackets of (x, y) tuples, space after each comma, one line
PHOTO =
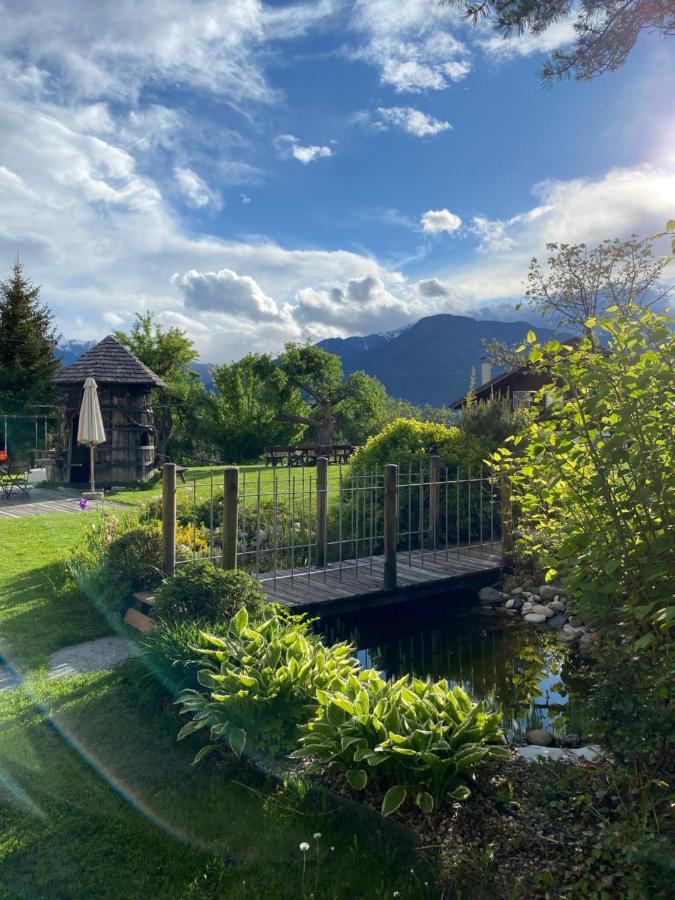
[(97, 799), (203, 479), (37, 614)]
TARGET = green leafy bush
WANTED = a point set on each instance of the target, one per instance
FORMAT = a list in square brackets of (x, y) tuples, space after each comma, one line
[(492, 421), (201, 591), (593, 485), (408, 737), (408, 443), (134, 558), (259, 682), (169, 652)]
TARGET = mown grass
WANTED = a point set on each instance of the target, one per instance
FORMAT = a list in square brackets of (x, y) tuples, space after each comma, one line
[(99, 800), (201, 480), (38, 614)]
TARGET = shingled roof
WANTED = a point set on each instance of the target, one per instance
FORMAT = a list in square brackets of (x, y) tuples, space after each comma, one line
[(109, 362)]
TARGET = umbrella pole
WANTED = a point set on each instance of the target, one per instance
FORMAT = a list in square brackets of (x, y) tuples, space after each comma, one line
[(92, 480)]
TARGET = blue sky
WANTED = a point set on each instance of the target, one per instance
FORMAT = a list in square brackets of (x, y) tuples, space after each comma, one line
[(262, 172)]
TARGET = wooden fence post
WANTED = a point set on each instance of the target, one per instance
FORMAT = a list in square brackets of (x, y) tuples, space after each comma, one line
[(434, 496), (169, 518), (321, 510), (390, 525), (230, 511)]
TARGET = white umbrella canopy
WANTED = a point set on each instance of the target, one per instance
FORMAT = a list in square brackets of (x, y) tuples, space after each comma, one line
[(90, 430)]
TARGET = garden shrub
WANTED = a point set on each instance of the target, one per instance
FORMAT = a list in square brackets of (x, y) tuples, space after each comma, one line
[(593, 484), (492, 421), (169, 651), (408, 443), (134, 558), (408, 737), (259, 682), (199, 590)]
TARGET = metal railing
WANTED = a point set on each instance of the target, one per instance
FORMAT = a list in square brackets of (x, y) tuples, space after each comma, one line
[(305, 523)]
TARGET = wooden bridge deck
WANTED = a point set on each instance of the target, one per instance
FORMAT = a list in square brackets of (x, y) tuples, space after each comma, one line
[(360, 583)]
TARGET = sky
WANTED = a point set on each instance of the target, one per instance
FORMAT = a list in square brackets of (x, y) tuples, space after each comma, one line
[(262, 172)]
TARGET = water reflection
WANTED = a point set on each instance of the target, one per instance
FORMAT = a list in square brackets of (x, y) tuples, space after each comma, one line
[(497, 658)]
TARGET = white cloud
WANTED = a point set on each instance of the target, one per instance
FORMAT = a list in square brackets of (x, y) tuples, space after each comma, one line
[(288, 145), (225, 291), (195, 190), (412, 44), (435, 221), (405, 118), (116, 47), (582, 210)]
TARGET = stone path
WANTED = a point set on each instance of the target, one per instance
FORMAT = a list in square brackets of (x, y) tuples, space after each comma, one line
[(8, 678), (91, 656), (41, 501)]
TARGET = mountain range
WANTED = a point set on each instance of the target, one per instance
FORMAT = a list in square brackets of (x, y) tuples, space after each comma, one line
[(432, 360), (428, 362)]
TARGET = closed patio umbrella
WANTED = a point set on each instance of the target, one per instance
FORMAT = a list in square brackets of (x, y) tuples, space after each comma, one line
[(90, 429)]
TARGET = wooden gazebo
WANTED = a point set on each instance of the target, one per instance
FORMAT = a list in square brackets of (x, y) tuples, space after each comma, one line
[(124, 391)]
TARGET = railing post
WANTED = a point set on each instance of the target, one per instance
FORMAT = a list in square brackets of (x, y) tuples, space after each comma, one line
[(506, 517), (434, 496), (230, 503), (169, 518), (390, 525), (321, 510)]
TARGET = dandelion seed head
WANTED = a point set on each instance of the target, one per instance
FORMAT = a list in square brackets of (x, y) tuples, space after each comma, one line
[(317, 835), (304, 846)]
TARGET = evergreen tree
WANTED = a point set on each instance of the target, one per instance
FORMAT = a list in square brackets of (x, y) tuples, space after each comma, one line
[(27, 343)]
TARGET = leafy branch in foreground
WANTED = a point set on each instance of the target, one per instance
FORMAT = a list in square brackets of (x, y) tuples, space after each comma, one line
[(605, 31)]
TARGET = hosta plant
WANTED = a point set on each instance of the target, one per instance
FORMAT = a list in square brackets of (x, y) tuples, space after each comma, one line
[(259, 681), (408, 738)]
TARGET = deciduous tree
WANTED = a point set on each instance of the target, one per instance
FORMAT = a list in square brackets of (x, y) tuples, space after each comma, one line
[(579, 283)]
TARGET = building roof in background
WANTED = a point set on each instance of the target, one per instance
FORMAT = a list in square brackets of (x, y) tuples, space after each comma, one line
[(501, 385), (109, 362)]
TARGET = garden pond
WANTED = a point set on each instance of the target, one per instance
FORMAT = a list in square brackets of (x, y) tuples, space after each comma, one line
[(522, 671)]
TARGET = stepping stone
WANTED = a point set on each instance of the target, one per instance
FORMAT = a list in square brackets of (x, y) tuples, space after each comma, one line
[(8, 678), (91, 656)]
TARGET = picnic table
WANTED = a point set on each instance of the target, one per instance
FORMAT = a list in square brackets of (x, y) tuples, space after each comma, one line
[(307, 454), (14, 476)]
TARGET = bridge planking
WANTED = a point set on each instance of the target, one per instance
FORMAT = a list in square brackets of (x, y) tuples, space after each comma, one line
[(359, 585)]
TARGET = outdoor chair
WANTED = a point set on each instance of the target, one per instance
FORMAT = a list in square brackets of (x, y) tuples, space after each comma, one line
[(14, 476)]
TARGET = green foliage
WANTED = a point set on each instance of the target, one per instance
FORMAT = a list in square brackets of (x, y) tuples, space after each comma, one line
[(409, 443), (134, 559), (581, 283), (363, 409), (201, 591), (251, 393), (259, 683), (492, 421), (408, 738), (27, 345), (593, 483), (350, 409), (169, 651)]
